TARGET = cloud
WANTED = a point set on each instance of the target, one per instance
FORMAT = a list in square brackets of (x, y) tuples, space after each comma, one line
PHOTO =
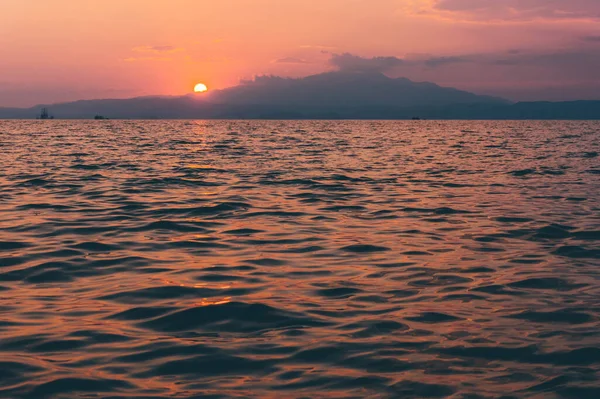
[(584, 57), (291, 60), (511, 73), (157, 49), (561, 60), (508, 10), (153, 53), (137, 59), (317, 47), (355, 63), (592, 39), (434, 62)]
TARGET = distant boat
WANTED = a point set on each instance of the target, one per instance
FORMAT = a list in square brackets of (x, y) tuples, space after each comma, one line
[(45, 114), (416, 118), (100, 118)]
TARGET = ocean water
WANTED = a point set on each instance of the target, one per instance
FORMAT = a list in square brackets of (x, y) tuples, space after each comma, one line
[(299, 259)]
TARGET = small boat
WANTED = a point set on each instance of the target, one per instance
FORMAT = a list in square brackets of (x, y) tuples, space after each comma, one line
[(100, 118), (45, 115)]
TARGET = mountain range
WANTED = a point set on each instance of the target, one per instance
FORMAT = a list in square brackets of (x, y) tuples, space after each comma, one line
[(332, 95)]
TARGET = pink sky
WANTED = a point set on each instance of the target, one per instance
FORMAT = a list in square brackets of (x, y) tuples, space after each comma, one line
[(64, 50)]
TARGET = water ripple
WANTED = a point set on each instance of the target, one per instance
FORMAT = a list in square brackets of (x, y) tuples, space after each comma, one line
[(299, 259)]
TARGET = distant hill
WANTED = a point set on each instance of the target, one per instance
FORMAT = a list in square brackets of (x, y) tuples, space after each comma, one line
[(132, 108), (333, 95), (344, 89)]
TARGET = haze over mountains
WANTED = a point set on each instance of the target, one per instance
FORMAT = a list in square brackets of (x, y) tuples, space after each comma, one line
[(340, 94)]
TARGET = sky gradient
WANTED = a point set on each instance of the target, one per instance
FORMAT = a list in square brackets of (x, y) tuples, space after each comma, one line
[(519, 49)]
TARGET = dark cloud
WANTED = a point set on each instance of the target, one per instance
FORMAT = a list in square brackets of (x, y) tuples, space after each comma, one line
[(163, 48), (592, 39), (521, 9), (264, 80), (355, 63), (519, 70), (577, 62), (434, 62), (583, 57)]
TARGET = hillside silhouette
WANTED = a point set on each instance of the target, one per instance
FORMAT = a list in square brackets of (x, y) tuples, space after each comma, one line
[(332, 95)]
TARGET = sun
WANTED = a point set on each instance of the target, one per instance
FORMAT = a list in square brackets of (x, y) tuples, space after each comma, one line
[(200, 88)]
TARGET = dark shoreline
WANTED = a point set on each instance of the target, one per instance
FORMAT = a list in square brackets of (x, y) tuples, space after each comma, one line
[(183, 108)]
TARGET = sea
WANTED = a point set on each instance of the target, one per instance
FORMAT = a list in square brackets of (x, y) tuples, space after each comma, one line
[(299, 259)]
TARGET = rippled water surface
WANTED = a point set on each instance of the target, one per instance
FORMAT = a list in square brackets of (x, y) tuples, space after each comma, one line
[(307, 259)]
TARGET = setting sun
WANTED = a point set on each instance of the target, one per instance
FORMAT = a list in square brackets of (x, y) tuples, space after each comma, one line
[(200, 88)]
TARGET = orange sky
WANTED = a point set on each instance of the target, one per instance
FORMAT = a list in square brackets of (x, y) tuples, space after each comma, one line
[(63, 49)]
